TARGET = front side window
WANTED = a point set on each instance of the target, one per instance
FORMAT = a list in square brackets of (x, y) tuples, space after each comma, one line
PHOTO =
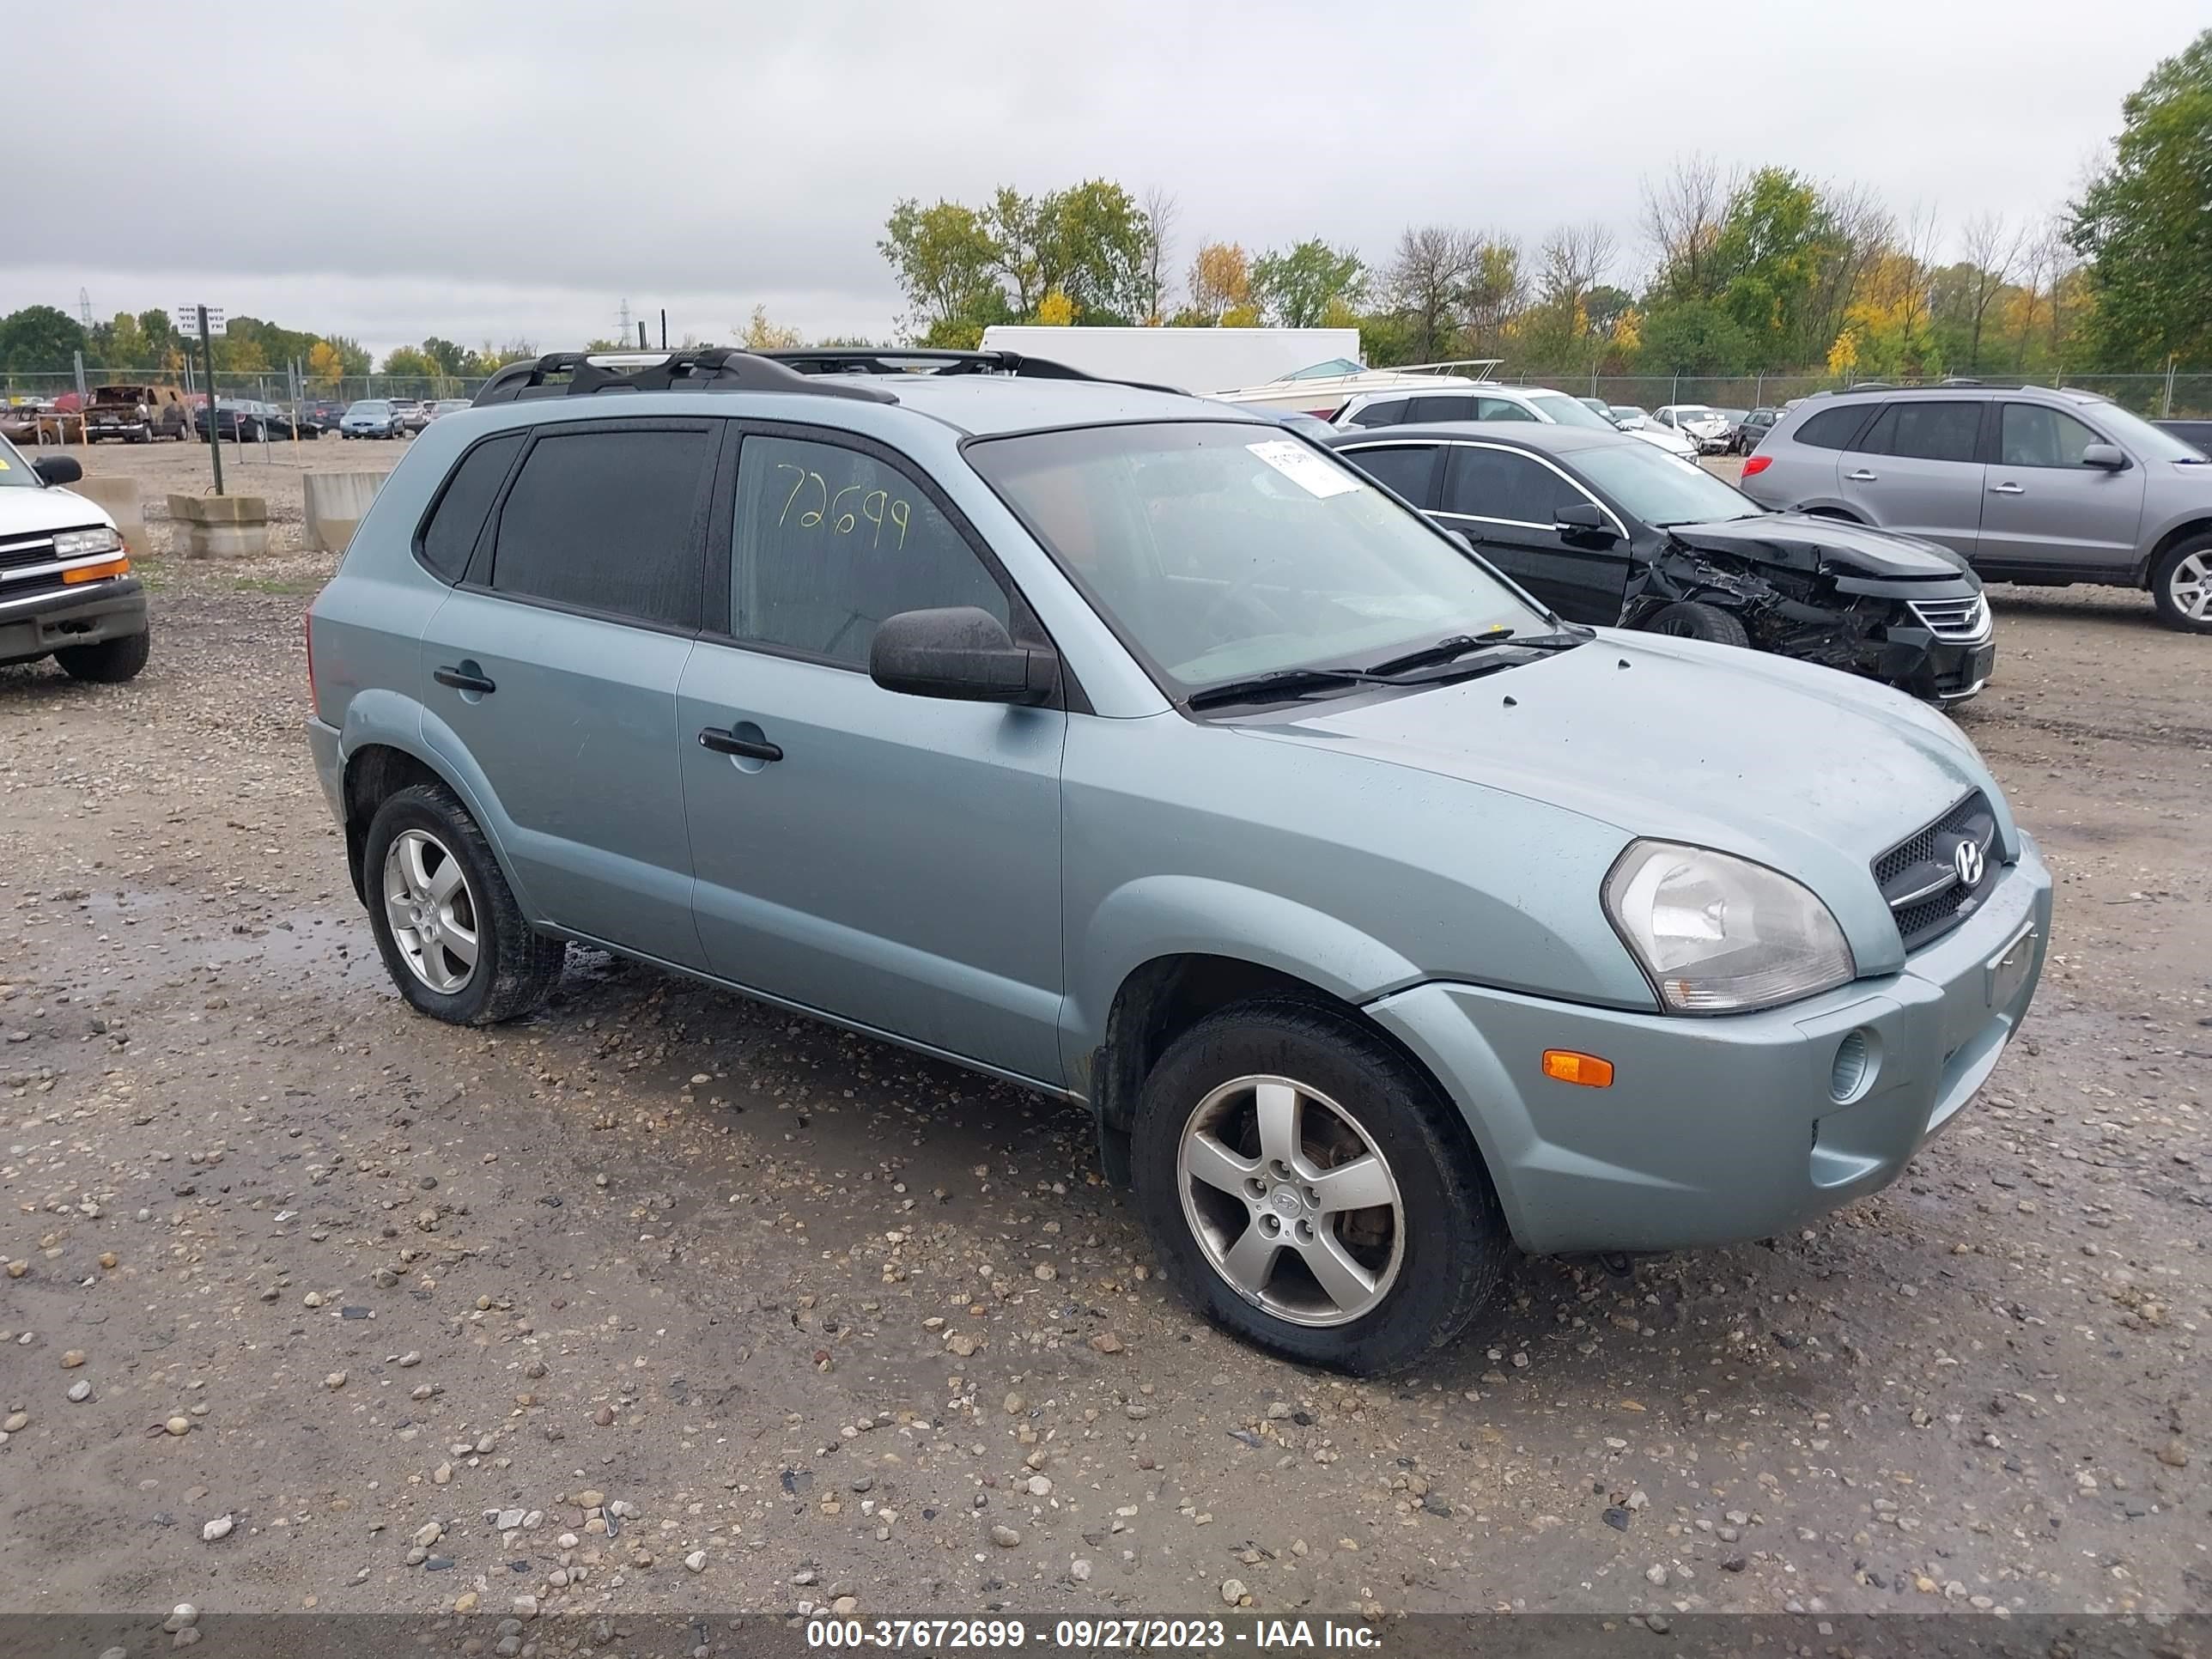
[(1501, 484), (1219, 549), (2030, 434), (830, 541), (1925, 431), (1570, 411), (608, 521), (1500, 408)]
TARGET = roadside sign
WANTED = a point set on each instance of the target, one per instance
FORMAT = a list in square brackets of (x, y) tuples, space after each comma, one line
[(188, 319)]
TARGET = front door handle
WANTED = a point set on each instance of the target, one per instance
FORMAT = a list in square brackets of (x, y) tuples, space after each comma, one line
[(462, 680), (2007, 489), (723, 742), (1861, 477)]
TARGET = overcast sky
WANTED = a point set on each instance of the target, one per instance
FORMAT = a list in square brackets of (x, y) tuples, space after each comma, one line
[(484, 170)]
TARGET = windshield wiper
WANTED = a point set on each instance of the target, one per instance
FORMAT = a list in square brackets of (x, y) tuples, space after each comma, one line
[(1461, 645), (1280, 686)]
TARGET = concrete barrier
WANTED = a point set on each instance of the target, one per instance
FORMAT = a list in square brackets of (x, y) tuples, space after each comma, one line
[(336, 502), (120, 500), (217, 525)]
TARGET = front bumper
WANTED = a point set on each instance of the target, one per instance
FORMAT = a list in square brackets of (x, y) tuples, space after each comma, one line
[(39, 624), (1734, 1126), (1914, 659)]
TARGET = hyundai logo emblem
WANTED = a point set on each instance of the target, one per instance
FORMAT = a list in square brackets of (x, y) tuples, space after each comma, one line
[(1966, 858)]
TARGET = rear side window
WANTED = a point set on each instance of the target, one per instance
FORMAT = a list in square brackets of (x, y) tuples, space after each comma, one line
[(1500, 483), (1500, 408), (1390, 412), (1926, 432), (1405, 468), (608, 521), (830, 541), (2032, 436), (1442, 409), (450, 536), (1830, 428)]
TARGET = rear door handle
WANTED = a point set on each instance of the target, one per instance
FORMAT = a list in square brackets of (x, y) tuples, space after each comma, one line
[(1861, 477), (2007, 489), (724, 742), (461, 680)]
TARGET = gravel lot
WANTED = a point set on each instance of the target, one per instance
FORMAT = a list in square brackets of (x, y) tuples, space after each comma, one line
[(666, 1301)]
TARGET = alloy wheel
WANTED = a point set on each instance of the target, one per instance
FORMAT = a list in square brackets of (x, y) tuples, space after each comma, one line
[(2189, 587), (1290, 1201), (432, 912)]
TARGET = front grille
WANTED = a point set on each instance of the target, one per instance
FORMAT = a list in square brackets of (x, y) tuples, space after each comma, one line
[(16, 551), (50, 582), (1921, 880), (1966, 619)]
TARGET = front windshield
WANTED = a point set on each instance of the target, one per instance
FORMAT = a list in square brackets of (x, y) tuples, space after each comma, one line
[(2151, 443), (1568, 412), (1329, 370), (371, 409), (14, 470), (1628, 412), (1219, 549), (1649, 483)]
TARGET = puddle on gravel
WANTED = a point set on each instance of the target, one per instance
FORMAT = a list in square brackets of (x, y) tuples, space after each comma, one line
[(309, 947)]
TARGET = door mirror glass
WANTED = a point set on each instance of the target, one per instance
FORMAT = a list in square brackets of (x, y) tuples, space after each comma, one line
[(1579, 516), (960, 652), (2110, 457), (1460, 537)]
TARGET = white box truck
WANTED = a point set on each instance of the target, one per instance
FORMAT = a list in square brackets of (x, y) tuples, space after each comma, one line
[(1203, 361)]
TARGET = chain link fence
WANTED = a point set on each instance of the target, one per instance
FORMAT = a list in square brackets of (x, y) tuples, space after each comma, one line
[(2159, 397), (258, 386)]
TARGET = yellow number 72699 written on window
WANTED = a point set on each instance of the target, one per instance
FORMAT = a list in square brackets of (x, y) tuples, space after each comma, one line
[(840, 516)]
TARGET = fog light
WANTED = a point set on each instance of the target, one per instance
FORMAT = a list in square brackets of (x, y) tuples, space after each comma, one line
[(1568, 1067), (1857, 1057)]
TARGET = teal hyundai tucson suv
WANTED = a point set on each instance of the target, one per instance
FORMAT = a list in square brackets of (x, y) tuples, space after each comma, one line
[(1140, 752)]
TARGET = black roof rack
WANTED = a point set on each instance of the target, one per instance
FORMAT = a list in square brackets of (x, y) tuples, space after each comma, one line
[(930, 360), (720, 368)]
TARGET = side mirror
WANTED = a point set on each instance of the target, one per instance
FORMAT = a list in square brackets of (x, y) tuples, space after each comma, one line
[(962, 653), (57, 469), (2110, 457), (1465, 541), (1580, 518)]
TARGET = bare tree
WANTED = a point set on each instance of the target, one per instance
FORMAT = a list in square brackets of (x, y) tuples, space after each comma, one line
[(2050, 260), (1427, 283), (1683, 213), (1859, 228), (1160, 208), (1575, 258), (1992, 250)]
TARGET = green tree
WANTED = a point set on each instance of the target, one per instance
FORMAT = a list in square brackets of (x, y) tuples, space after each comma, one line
[(943, 257), (1098, 238), (1767, 258), (412, 361), (40, 338), (448, 356), (2145, 222), (1297, 286), (120, 343), (1692, 337)]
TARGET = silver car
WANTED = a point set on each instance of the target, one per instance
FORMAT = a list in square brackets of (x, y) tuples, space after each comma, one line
[(2032, 485), (1140, 752)]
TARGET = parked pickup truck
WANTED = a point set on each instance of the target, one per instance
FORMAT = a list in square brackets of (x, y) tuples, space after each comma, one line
[(139, 413)]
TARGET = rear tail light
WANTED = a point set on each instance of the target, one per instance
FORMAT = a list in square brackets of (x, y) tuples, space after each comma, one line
[(1756, 465)]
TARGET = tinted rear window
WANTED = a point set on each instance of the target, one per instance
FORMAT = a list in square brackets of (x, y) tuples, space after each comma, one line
[(607, 521), (450, 535), (1925, 431), (1405, 468), (1443, 408), (1831, 429), (1501, 484), (1390, 412)]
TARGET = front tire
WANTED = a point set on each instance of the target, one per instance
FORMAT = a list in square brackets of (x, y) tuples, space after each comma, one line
[(452, 938), (1687, 619), (1311, 1192), (111, 662), (2181, 586)]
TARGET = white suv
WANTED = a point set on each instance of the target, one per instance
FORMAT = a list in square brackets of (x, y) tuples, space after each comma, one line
[(1486, 402)]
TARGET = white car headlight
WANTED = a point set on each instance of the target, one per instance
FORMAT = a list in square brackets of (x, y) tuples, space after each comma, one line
[(1719, 934), (80, 544)]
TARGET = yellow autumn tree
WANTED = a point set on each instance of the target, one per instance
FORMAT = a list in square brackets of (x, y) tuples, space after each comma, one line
[(324, 364), (1628, 332), (1220, 281), (1055, 310), (761, 335), (1843, 354)]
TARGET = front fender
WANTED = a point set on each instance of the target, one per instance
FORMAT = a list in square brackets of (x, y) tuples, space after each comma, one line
[(1168, 916)]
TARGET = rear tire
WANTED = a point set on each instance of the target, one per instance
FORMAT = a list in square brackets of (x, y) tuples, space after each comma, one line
[(1688, 619), (111, 662), (1423, 1262), (467, 955), (2181, 586)]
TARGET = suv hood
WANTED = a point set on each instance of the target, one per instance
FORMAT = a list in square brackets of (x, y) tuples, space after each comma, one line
[(1814, 772), (28, 512), (1801, 541)]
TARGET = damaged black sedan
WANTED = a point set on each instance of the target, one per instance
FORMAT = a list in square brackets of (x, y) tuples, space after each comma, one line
[(1608, 530)]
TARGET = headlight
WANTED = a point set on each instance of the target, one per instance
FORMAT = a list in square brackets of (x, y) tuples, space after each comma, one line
[(1717, 934), (79, 544)]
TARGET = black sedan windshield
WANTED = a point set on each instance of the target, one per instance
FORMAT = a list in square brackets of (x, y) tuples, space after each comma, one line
[(1220, 551), (1648, 483)]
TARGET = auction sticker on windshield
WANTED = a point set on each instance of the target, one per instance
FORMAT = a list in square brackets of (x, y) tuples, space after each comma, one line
[(1304, 468)]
